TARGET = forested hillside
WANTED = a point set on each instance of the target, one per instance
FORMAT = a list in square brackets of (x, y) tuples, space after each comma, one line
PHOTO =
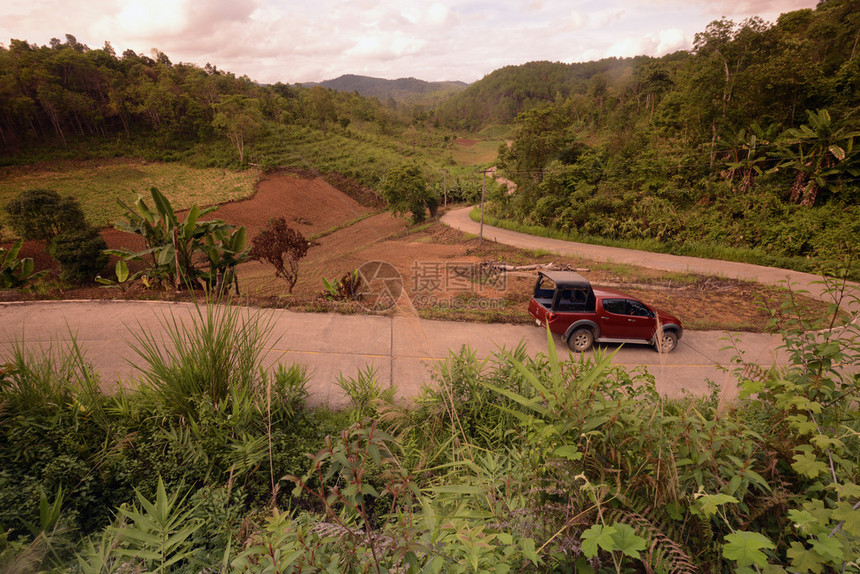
[(405, 90), (746, 142)]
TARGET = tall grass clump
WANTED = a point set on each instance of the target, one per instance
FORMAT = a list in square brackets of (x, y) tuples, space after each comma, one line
[(216, 353), (365, 393)]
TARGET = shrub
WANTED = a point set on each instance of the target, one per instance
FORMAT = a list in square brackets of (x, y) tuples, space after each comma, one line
[(80, 253), (281, 246), (43, 214)]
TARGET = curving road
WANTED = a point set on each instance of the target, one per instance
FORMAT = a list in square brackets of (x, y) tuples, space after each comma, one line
[(459, 219)]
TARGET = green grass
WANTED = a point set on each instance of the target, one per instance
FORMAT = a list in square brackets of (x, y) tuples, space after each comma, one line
[(480, 153), (496, 132), (98, 185)]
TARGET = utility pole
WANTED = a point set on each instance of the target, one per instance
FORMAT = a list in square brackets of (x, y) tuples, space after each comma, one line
[(445, 185), (483, 191)]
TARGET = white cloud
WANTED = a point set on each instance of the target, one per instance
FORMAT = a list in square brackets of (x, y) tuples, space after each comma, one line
[(438, 14), (577, 20), (658, 44), (146, 19), (386, 46), (312, 40)]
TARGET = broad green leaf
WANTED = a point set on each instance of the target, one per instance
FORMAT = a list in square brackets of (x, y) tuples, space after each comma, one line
[(802, 424), (803, 520), (803, 560), (167, 255), (239, 239), (823, 442), (597, 537), (745, 548), (527, 545), (12, 252), (806, 464), (627, 541), (755, 477), (708, 503), (121, 271), (847, 490), (191, 221), (829, 547), (568, 452), (849, 516), (27, 267)]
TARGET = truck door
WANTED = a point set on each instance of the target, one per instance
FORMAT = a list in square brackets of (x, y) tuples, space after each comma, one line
[(626, 319)]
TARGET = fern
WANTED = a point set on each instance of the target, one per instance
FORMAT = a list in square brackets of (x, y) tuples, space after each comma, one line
[(664, 555)]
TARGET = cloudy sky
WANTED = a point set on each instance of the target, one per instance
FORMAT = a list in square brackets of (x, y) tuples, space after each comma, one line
[(313, 40)]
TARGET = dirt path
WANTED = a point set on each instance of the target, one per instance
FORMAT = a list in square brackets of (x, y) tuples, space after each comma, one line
[(459, 219)]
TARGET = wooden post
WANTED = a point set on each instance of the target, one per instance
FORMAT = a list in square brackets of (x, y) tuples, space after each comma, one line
[(483, 189), (445, 185), (176, 258)]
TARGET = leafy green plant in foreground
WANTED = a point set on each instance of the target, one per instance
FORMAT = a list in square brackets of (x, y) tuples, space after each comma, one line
[(16, 272), (507, 463), (810, 410)]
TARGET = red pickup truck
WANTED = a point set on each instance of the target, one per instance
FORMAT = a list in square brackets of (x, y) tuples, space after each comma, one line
[(582, 315)]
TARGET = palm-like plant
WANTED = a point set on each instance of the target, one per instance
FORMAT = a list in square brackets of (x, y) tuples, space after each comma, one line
[(821, 153), (748, 154), (16, 272), (172, 244)]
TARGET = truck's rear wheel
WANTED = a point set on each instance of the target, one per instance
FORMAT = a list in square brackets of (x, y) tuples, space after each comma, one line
[(581, 340)]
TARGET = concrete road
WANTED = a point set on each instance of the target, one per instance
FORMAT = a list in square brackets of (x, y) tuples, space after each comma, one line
[(403, 349), (459, 219)]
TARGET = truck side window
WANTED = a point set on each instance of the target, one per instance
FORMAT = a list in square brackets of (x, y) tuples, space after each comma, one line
[(637, 309), (615, 306)]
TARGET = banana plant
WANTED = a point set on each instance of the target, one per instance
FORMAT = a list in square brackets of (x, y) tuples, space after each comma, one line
[(225, 249), (820, 153), (171, 244), (749, 159), (16, 272)]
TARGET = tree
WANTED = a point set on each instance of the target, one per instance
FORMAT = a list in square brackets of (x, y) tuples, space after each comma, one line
[(541, 133), (280, 246), (43, 214), (405, 190), (320, 107), (239, 117)]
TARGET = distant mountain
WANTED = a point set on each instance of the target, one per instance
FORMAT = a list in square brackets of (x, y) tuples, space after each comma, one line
[(408, 90)]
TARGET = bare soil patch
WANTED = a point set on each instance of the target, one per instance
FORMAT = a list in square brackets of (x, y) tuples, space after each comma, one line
[(442, 269)]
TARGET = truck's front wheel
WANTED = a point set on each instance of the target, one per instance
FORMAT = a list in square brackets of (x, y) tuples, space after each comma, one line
[(581, 340), (667, 342)]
